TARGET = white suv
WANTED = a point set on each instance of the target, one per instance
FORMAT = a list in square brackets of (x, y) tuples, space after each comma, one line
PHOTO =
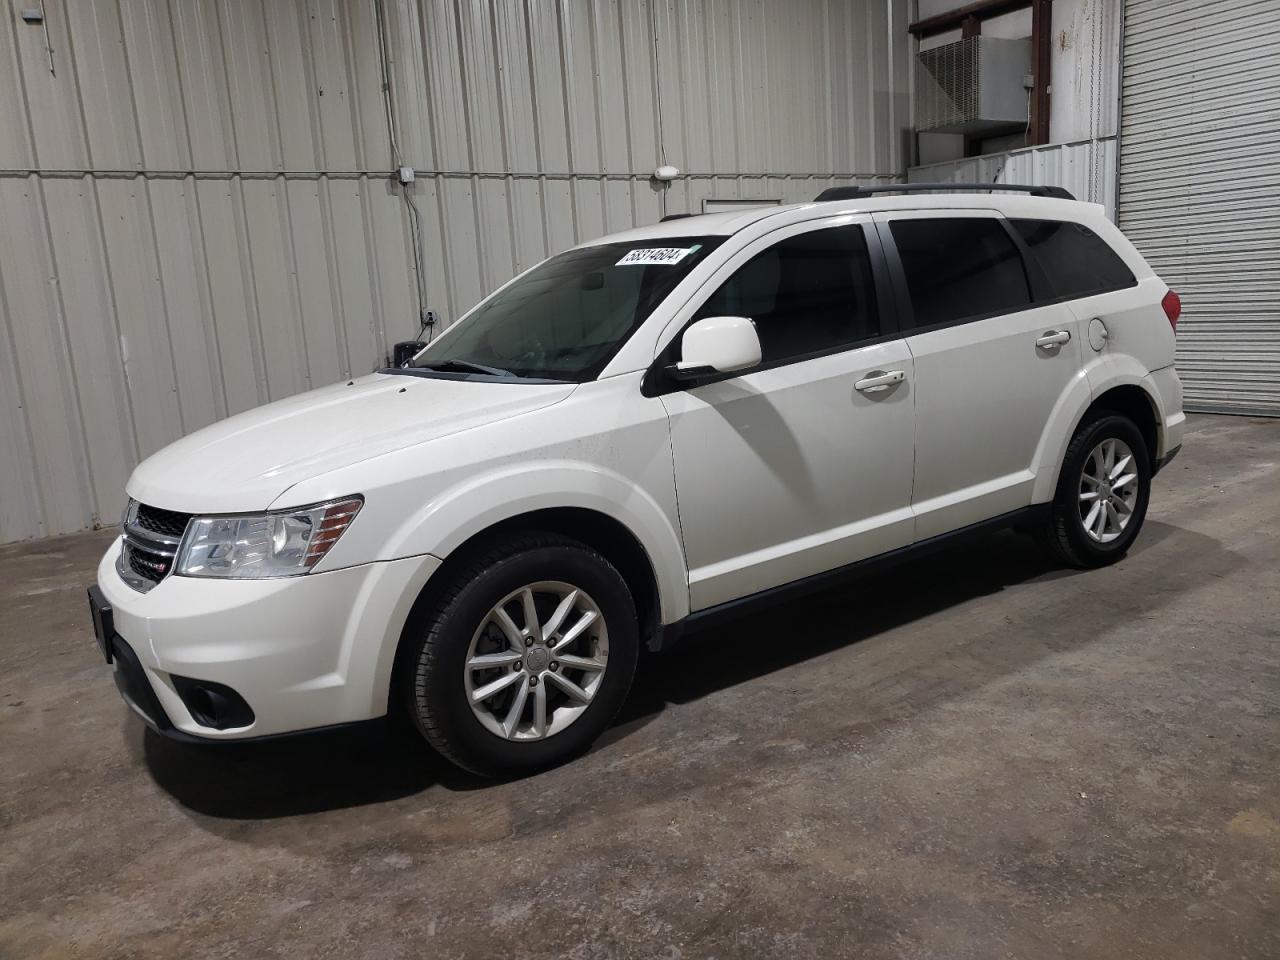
[(643, 433)]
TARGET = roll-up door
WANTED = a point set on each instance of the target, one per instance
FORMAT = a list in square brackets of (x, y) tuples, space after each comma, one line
[(1200, 186)]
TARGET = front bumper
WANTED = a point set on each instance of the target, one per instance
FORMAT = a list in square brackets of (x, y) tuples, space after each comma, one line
[(303, 652)]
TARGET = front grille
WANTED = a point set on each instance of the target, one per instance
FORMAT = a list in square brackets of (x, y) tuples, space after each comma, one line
[(167, 523), (147, 564), (151, 539)]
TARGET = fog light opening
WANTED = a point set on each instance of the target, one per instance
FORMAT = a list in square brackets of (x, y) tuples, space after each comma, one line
[(213, 705)]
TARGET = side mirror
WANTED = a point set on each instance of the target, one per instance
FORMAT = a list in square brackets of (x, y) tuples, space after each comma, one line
[(717, 345)]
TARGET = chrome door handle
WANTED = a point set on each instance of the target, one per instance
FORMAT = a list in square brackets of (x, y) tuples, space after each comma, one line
[(879, 380), (1053, 338)]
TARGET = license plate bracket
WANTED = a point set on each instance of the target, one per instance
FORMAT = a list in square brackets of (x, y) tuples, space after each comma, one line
[(103, 621)]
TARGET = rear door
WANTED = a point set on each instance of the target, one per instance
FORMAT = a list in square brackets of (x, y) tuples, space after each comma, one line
[(990, 365)]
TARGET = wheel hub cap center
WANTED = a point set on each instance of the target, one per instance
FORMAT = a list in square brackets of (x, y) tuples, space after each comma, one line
[(537, 659)]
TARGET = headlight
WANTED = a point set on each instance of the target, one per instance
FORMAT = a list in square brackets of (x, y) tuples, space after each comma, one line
[(284, 543)]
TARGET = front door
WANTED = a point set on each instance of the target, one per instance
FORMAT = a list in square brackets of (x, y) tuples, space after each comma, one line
[(804, 463)]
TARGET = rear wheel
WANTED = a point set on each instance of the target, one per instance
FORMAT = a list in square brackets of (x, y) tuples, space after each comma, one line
[(526, 658), (1102, 494)]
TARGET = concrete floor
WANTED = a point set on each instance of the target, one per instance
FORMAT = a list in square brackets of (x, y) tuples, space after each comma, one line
[(976, 756)]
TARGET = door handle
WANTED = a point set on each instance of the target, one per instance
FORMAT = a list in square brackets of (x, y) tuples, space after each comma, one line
[(1053, 338), (879, 380)]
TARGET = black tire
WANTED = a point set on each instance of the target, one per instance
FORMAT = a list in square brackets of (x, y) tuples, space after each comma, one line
[(1065, 535), (432, 689)]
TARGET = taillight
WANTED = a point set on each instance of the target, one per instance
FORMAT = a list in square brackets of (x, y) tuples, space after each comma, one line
[(1172, 304)]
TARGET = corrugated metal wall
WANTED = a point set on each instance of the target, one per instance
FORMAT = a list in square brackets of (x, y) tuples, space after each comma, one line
[(1087, 169), (199, 214), (1198, 185)]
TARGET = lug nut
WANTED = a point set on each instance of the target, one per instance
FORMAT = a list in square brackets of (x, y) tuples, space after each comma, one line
[(555, 665), (533, 681)]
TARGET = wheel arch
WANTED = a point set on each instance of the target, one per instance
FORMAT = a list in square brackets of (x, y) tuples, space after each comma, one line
[(605, 534), (1136, 403), (1126, 395)]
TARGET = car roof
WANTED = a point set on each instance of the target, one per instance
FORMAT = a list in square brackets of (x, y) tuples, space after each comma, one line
[(734, 221)]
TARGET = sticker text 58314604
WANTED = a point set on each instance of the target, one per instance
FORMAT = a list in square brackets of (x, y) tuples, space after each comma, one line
[(655, 256)]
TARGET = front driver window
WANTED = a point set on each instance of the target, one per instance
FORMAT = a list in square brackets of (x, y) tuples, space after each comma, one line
[(808, 294)]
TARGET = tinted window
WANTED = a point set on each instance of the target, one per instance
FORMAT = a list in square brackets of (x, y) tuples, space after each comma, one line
[(960, 268), (807, 294), (1076, 260)]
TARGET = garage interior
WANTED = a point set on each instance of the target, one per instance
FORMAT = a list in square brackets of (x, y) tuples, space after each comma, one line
[(205, 206)]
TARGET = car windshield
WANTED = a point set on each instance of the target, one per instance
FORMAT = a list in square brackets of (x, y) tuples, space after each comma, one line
[(566, 318)]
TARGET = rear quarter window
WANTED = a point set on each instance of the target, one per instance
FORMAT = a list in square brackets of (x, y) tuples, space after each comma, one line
[(1075, 260)]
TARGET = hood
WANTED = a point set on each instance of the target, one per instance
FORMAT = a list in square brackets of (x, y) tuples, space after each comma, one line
[(247, 461)]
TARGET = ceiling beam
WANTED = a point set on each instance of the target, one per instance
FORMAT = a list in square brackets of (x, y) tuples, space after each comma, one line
[(955, 19)]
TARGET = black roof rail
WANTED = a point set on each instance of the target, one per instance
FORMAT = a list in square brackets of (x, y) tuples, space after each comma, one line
[(852, 193), (676, 216)]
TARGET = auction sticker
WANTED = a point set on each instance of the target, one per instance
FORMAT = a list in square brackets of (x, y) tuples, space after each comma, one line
[(655, 256)]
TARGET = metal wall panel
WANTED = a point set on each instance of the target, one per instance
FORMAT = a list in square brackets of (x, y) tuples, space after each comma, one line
[(1200, 119), (1087, 169), (200, 214)]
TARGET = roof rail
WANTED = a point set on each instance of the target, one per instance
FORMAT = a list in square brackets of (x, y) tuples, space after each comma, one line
[(852, 193), (676, 216)]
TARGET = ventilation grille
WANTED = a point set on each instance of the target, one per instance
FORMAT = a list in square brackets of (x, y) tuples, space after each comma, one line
[(975, 86), (167, 523)]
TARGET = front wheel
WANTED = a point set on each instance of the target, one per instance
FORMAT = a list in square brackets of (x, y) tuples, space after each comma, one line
[(1102, 494), (525, 659)]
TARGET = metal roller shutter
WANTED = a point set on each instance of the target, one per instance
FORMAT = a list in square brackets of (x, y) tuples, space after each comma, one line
[(1200, 186)]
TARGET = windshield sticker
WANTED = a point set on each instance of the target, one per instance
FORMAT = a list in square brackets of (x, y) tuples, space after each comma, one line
[(655, 256)]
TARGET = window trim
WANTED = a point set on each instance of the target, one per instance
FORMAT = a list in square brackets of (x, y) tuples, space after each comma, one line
[(1037, 282), (656, 382)]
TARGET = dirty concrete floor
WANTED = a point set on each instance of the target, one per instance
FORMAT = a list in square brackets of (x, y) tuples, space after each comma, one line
[(976, 756)]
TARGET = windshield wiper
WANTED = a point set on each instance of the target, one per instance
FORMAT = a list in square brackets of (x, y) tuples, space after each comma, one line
[(466, 366)]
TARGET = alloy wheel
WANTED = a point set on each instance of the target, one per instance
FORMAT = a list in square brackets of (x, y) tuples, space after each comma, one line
[(1108, 493), (536, 661)]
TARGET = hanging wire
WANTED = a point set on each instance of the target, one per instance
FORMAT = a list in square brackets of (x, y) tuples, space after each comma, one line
[(425, 317)]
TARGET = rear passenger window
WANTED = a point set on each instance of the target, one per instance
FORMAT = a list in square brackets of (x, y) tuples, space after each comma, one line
[(808, 294), (1077, 262), (960, 269)]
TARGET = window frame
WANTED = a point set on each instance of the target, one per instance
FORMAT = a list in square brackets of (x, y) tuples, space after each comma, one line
[(1038, 287), (657, 382), (1030, 257)]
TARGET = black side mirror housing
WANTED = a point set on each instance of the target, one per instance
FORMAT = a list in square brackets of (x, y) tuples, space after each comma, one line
[(404, 351), (683, 374)]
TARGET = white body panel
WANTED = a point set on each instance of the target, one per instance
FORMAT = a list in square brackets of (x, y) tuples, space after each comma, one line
[(730, 487), (791, 471), (246, 461)]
